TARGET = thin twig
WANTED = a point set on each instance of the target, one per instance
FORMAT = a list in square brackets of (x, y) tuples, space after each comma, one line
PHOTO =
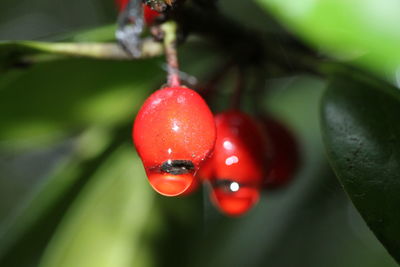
[(149, 48), (215, 78), (169, 30), (240, 86)]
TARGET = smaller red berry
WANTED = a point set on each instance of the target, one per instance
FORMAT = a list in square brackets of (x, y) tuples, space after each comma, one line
[(238, 164), (174, 132), (149, 15), (286, 158)]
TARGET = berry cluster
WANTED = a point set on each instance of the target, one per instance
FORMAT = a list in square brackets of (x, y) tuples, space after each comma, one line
[(182, 144), (238, 164)]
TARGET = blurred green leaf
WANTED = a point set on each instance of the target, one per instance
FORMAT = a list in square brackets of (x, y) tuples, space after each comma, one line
[(31, 225), (104, 225), (100, 34), (53, 99), (365, 31), (361, 134), (75, 95)]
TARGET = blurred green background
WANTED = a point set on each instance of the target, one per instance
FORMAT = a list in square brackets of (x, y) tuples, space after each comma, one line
[(73, 191)]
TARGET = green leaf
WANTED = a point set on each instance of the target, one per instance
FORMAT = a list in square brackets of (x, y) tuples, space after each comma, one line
[(362, 138), (101, 34), (105, 224), (365, 31), (53, 99), (29, 228)]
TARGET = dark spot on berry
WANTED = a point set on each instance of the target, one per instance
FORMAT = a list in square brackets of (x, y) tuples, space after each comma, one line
[(177, 167)]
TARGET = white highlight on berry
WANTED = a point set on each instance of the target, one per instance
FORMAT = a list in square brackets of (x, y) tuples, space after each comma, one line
[(234, 187), (231, 160), (175, 126), (228, 145)]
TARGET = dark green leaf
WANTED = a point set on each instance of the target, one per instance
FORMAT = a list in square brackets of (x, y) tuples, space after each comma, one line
[(362, 137)]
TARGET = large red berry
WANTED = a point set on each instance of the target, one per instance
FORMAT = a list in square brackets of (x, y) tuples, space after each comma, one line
[(149, 15), (174, 132), (286, 158), (238, 164)]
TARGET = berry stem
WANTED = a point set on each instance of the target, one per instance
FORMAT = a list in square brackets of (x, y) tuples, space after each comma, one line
[(169, 30), (240, 84), (216, 76), (260, 90)]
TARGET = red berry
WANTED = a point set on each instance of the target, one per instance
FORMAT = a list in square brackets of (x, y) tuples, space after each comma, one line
[(149, 15), (286, 158), (238, 164), (174, 132)]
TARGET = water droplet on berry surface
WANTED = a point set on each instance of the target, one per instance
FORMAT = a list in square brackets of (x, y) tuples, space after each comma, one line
[(168, 184), (235, 200)]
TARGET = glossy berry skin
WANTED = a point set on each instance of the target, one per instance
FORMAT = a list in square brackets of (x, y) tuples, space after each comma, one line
[(149, 14), (286, 158), (235, 204), (238, 164), (174, 132)]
